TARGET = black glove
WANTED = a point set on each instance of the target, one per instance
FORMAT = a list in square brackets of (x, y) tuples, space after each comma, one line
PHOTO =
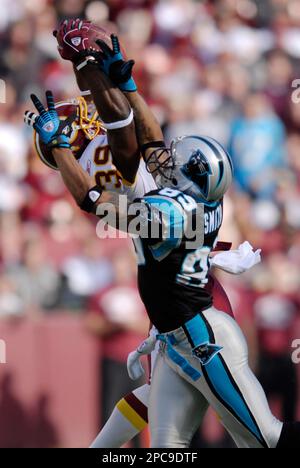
[(112, 63)]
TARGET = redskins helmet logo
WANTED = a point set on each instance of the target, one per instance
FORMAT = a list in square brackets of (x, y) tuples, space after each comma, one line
[(67, 130)]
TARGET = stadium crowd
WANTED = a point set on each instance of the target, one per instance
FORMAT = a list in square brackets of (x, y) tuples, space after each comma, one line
[(223, 68)]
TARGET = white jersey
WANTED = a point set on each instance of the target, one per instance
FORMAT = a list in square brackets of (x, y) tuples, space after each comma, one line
[(97, 161)]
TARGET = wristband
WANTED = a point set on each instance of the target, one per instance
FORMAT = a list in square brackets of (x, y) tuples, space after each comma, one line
[(120, 123), (60, 141), (85, 93), (91, 198), (89, 60)]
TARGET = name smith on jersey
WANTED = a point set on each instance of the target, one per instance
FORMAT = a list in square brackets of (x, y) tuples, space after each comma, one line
[(213, 220)]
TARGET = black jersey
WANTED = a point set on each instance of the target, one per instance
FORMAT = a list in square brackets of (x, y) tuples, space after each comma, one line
[(174, 264)]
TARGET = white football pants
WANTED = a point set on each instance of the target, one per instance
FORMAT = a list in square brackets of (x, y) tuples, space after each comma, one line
[(185, 383)]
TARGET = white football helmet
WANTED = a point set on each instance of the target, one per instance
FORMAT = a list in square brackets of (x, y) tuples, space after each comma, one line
[(198, 165)]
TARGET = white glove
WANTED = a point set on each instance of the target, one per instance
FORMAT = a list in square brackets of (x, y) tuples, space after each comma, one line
[(134, 365), (237, 261)]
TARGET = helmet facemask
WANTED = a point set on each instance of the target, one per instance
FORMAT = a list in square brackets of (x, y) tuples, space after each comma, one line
[(89, 119), (161, 165)]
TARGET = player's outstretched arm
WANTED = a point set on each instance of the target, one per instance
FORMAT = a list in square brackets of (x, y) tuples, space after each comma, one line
[(117, 115), (148, 131), (112, 106), (55, 133), (77, 181)]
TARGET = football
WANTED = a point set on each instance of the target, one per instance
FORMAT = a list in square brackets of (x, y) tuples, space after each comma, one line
[(96, 32)]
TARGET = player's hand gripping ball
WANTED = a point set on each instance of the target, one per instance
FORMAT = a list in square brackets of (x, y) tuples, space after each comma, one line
[(77, 39)]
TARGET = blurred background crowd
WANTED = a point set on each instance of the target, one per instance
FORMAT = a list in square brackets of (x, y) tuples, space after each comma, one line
[(223, 68)]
